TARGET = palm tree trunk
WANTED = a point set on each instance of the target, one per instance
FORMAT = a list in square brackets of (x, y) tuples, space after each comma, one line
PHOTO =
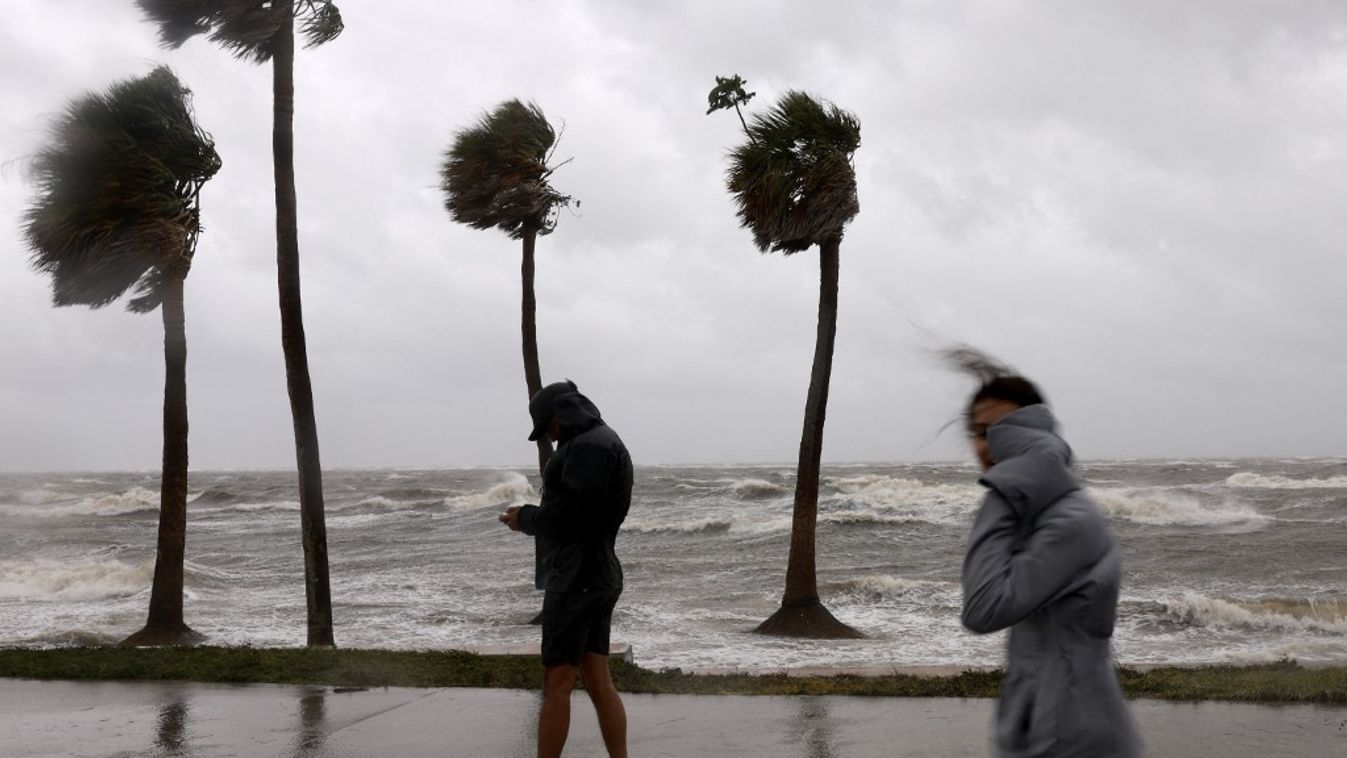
[(313, 528), (532, 373), (165, 625), (801, 614), (533, 376)]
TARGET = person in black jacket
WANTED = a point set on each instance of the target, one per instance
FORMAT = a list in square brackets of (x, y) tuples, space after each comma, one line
[(585, 496)]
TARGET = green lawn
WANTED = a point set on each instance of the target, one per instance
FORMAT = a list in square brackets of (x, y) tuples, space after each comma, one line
[(1284, 682)]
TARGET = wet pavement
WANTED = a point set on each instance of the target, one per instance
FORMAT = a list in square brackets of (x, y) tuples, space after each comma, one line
[(160, 719)]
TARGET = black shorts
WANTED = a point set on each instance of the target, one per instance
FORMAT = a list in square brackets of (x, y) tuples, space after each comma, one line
[(575, 623)]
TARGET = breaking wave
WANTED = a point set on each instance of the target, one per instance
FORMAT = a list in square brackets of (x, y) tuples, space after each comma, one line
[(44, 579), (698, 526), (878, 499), (134, 500), (413, 493), (1287, 614), (756, 489), (879, 587), (1277, 482), (861, 518), (1155, 507), (515, 490), (215, 496), (379, 501), (38, 496), (274, 505)]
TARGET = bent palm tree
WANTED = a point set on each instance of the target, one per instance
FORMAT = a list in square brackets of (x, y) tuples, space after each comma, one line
[(794, 187), (117, 209), (261, 31), (495, 175)]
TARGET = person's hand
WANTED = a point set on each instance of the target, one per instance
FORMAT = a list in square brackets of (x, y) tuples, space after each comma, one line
[(510, 518)]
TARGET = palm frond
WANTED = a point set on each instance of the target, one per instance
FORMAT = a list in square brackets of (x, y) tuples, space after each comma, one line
[(495, 172), (320, 22), (792, 181), (246, 28), (117, 190)]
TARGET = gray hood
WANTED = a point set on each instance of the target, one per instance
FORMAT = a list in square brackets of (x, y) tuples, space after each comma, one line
[(1033, 464)]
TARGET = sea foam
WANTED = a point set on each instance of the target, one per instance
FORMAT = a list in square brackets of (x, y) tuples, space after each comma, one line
[(134, 500), (756, 489), (1277, 613), (883, 499), (1161, 507), (1277, 482), (874, 587), (44, 579), (515, 490)]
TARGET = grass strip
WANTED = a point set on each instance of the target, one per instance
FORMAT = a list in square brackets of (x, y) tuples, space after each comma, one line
[(1281, 682)]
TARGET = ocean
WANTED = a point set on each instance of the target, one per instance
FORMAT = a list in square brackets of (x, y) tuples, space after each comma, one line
[(1223, 561)]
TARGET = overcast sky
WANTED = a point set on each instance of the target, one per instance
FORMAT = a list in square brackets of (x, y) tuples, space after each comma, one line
[(1139, 204)]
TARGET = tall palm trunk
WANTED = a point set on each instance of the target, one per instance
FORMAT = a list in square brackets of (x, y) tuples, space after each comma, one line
[(801, 614), (165, 625), (533, 376), (532, 373), (313, 528)]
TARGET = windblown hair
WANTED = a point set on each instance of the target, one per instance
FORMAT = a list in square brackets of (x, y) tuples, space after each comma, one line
[(996, 381)]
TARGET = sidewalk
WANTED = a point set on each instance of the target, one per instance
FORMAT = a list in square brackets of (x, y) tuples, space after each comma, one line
[(154, 719)]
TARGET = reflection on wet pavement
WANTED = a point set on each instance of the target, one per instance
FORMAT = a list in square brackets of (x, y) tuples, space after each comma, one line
[(177, 720), (170, 739)]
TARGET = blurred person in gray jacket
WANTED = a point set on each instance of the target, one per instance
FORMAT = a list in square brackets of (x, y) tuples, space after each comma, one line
[(1042, 562)]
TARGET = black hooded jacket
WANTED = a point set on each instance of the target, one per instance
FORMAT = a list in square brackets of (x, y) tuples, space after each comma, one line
[(585, 497)]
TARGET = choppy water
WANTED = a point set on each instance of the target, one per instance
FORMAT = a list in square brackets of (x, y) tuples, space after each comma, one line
[(1223, 560)]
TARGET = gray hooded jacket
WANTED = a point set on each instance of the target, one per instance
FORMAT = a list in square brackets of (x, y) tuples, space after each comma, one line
[(585, 497), (1041, 560)]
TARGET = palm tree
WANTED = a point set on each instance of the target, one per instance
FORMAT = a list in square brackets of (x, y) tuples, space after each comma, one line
[(262, 31), (117, 209), (495, 175), (794, 187)]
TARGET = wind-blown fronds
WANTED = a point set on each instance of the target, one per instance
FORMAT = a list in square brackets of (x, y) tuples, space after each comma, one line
[(117, 191), (245, 28), (793, 181), (495, 172)]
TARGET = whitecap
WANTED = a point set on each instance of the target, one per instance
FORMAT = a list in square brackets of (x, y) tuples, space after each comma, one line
[(886, 499), (514, 490), (43, 579), (1161, 507), (756, 489), (887, 587), (695, 526), (1276, 482), (1275, 613), (134, 500), (274, 505)]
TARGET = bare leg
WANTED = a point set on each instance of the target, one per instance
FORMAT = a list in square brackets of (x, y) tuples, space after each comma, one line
[(607, 703), (554, 718)]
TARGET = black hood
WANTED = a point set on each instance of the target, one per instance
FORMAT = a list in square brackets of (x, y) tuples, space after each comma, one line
[(574, 412)]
